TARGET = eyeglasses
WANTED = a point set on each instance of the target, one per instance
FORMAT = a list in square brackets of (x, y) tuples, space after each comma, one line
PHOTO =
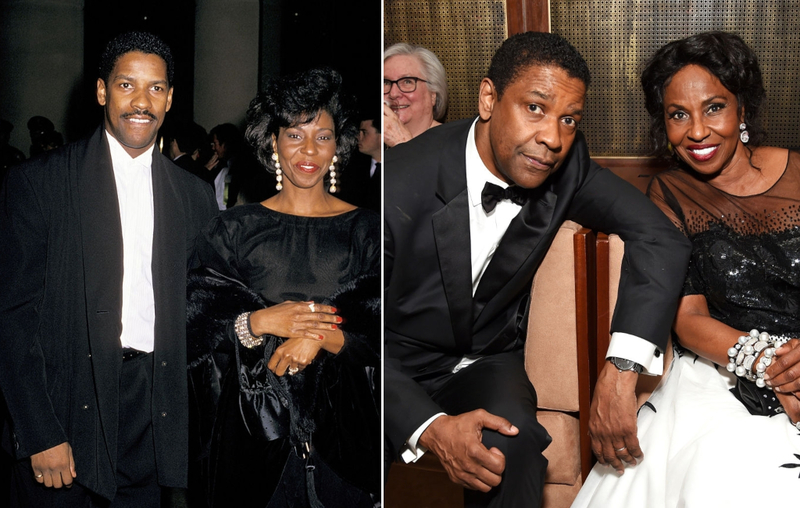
[(405, 85)]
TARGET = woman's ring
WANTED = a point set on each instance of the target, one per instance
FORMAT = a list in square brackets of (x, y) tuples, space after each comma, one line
[(39, 475), (293, 370), (311, 306), (620, 449)]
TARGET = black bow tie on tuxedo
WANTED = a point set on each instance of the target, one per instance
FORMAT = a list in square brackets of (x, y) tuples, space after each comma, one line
[(492, 194)]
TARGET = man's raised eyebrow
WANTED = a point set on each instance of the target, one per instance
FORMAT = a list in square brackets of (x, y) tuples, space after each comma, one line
[(539, 94), (576, 112)]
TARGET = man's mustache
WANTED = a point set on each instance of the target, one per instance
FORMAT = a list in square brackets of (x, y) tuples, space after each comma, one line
[(139, 113)]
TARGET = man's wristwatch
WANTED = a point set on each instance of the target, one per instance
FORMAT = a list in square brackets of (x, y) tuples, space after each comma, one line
[(622, 364)]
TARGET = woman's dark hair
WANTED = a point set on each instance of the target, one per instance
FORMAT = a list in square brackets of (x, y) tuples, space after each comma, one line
[(724, 55), (296, 100), (142, 42), (521, 51)]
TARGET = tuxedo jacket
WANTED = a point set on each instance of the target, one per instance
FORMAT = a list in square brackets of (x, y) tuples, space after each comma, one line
[(358, 187), (186, 162), (432, 319), (61, 305)]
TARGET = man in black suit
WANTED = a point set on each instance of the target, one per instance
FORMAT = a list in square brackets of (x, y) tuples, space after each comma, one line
[(471, 208), (96, 241), (361, 182), (183, 141)]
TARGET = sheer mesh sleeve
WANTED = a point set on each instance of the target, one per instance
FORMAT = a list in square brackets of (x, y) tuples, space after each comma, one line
[(663, 198)]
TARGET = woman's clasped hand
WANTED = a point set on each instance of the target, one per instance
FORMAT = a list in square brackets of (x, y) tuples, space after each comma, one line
[(307, 326)]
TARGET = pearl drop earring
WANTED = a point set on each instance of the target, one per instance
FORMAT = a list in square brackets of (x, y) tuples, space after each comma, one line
[(278, 172), (332, 169)]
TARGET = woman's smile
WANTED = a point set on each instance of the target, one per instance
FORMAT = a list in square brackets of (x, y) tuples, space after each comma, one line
[(307, 167), (702, 153)]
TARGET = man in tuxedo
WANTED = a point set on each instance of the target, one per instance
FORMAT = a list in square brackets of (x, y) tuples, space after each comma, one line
[(97, 237), (183, 146), (361, 182), (471, 208)]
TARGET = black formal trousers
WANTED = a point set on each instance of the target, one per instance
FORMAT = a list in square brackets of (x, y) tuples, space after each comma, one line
[(137, 480), (500, 385)]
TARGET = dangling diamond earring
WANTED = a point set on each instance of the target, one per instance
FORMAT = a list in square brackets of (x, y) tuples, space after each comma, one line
[(744, 135), (332, 169), (278, 172)]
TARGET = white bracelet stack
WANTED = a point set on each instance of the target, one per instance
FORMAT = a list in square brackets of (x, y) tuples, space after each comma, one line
[(747, 349), (244, 332)]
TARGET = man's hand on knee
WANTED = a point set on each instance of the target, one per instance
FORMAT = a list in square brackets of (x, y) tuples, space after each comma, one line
[(456, 440), (54, 467), (612, 419)]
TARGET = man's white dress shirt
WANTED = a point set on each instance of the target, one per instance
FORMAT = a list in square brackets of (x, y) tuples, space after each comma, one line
[(134, 179)]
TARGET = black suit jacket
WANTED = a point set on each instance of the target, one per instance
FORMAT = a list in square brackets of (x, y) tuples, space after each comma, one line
[(431, 317), (60, 309), (358, 187), (186, 162)]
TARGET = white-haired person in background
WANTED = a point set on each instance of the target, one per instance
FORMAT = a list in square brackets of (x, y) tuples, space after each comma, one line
[(414, 92)]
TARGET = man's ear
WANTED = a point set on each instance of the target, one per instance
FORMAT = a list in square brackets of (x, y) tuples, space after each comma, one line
[(169, 99), (487, 96), (101, 92)]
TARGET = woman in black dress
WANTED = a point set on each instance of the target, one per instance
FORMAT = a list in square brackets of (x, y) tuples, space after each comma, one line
[(284, 319)]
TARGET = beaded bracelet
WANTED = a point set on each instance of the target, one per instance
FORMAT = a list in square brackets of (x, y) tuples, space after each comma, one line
[(245, 333), (747, 349)]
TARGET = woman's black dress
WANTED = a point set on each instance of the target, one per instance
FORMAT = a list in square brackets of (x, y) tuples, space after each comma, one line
[(284, 257)]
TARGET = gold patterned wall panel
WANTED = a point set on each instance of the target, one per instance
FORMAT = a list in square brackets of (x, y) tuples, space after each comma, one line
[(617, 36), (464, 34)]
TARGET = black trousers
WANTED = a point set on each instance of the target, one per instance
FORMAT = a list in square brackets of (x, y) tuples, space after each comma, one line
[(137, 481), (500, 385)]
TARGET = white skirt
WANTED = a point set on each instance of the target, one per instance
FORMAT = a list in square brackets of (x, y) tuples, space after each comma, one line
[(702, 449)]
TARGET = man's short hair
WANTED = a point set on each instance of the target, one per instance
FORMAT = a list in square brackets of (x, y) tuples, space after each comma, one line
[(227, 134), (435, 74), (374, 117), (142, 42), (521, 51)]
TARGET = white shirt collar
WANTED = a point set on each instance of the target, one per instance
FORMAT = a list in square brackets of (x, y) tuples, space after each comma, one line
[(477, 172), (120, 158)]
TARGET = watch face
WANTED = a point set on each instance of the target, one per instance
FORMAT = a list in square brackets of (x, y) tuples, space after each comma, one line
[(623, 364)]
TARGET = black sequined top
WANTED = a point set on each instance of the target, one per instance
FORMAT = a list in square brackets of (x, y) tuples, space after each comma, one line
[(745, 249)]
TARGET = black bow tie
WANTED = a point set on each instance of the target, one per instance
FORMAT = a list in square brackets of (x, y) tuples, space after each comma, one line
[(492, 194)]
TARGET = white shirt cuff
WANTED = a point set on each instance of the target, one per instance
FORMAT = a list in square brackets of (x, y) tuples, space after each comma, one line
[(631, 347), (411, 452)]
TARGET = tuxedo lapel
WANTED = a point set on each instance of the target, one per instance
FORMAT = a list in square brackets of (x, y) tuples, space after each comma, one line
[(451, 233), (101, 239), (517, 249), (169, 256)]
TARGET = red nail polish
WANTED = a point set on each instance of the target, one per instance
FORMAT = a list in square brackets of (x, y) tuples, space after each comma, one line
[(338, 319), (335, 327), (321, 337), (334, 310)]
